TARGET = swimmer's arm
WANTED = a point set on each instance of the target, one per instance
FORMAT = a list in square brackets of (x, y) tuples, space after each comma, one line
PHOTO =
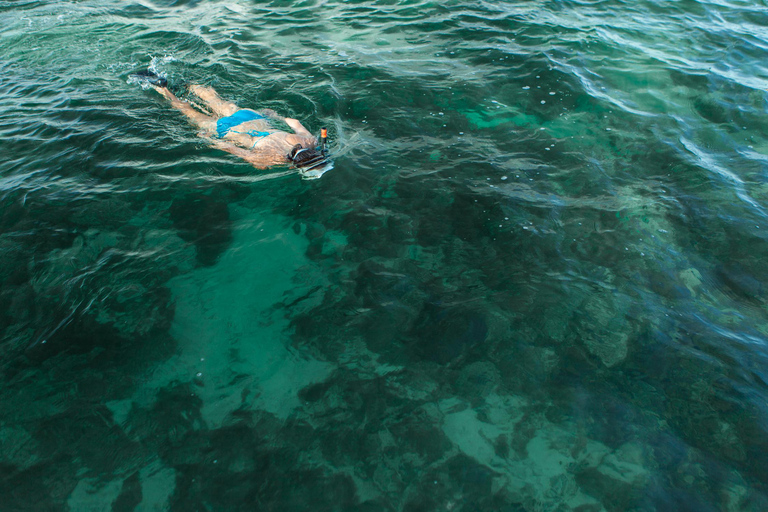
[(257, 160), (295, 125)]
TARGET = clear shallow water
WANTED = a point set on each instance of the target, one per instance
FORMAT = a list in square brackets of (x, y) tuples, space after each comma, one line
[(535, 279)]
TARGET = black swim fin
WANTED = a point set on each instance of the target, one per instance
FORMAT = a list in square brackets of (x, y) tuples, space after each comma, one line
[(150, 77)]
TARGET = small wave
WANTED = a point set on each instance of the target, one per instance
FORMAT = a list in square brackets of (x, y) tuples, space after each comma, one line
[(226, 178), (710, 163)]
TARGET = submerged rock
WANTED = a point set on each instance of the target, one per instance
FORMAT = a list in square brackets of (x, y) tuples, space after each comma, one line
[(666, 284), (18, 447), (444, 334), (619, 480), (478, 379), (691, 279), (740, 281), (205, 222), (130, 494), (603, 327), (88, 295)]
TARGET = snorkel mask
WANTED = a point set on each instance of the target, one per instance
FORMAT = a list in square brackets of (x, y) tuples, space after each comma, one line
[(311, 162)]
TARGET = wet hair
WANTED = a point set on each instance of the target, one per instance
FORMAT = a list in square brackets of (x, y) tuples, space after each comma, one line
[(306, 157)]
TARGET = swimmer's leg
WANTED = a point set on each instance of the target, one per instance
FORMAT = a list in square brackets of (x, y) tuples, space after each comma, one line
[(213, 100), (203, 121)]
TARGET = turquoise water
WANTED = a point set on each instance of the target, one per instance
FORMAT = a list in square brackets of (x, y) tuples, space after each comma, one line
[(535, 279)]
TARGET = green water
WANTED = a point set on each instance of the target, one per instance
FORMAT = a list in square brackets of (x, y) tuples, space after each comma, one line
[(535, 279)]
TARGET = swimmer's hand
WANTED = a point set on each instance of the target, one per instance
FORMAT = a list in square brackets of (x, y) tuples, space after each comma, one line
[(163, 91), (272, 114)]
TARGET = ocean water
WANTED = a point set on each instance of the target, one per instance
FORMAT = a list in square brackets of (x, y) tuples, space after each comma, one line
[(535, 279)]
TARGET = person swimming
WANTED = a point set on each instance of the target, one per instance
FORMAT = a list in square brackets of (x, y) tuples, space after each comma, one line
[(243, 132)]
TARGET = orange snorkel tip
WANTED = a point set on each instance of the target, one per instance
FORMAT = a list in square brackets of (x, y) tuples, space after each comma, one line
[(323, 138)]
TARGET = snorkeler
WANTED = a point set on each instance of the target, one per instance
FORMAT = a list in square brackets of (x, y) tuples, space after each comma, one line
[(245, 133)]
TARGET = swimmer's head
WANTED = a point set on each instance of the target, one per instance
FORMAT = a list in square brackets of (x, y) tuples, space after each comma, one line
[(302, 157)]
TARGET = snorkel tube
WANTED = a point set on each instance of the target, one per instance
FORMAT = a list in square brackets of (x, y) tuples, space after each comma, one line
[(323, 139)]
